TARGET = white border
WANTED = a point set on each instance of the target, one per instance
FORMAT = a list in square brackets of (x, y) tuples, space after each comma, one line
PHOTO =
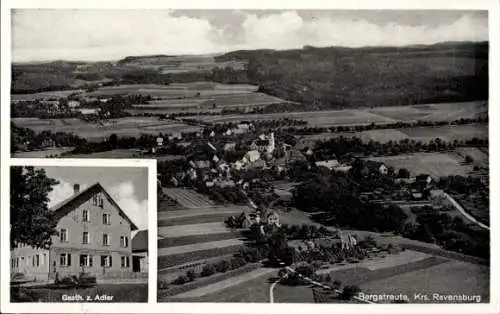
[(494, 29)]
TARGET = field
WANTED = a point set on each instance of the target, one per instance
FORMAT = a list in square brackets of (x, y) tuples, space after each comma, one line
[(434, 164), (382, 115), (128, 126), (454, 278), (45, 95), (424, 134), (120, 293), (189, 198), (42, 153), (479, 156)]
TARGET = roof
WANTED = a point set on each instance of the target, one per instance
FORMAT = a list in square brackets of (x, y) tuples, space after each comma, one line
[(328, 163), (64, 207), (140, 241)]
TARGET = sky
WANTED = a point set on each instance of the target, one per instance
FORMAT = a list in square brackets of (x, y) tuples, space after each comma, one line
[(127, 186), (102, 35)]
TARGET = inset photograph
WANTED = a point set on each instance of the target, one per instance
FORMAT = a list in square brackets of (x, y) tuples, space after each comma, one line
[(79, 234)]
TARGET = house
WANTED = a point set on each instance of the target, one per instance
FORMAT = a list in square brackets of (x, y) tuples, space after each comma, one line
[(93, 235), (73, 104), (229, 147), (258, 164), (273, 219), (140, 252), (375, 166), (88, 111), (330, 164), (424, 178), (251, 156), (264, 143)]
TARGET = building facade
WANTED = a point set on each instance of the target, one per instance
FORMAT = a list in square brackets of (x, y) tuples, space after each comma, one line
[(93, 236)]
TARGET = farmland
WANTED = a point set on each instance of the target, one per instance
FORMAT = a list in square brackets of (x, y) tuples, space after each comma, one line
[(434, 164), (380, 115), (454, 278), (129, 126), (42, 153), (424, 134)]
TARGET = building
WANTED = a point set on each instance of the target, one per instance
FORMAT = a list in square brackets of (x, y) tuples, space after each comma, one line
[(251, 156), (376, 166), (88, 111), (140, 252), (264, 144), (330, 164), (93, 235), (229, 147)]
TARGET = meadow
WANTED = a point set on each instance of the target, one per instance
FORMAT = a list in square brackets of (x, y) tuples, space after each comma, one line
[(128, 126), (423, 134), (379, 115), (435, 164)]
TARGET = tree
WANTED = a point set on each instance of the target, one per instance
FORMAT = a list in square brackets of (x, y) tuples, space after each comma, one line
[(349, 292), (31, 222), (403, 173), (113, 140), (469, 159)]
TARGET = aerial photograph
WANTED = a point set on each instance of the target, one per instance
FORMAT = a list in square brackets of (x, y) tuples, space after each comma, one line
[(303, 156), (78, 234)]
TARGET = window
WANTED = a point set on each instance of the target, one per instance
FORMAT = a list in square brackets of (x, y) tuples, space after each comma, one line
[(86, 260), (123, 241), (94, 199), (37, 259), (105, 239), (101, 202), (106, 261), (85, 237), (65, 259), (85, 215), (33, 260), (106, 219), (63, 235), (125, 261)]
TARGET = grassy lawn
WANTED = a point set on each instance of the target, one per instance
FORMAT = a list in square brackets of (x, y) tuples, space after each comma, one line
[(178, 241), (118, 292)]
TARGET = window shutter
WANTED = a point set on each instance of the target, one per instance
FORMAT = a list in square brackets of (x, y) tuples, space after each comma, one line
[(128, 261), (82, 260), (126, 241), (110, 261), (90, 260), (68, 259), (103, 261)]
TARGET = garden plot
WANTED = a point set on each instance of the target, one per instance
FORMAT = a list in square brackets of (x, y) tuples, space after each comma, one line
[(192, 229), (188, 198), (434, 164)]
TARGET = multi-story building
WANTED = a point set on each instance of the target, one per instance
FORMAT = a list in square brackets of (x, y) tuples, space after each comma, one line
[(93, 235)]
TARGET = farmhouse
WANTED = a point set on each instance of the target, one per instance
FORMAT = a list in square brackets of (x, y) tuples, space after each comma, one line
[(140, 252), (93, 235)]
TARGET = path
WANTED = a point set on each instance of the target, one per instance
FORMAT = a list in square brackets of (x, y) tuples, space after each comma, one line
[(464, 213), (271, 288), (224, 284)]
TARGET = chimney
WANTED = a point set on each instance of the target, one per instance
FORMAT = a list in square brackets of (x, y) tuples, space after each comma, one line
[(76, 188)]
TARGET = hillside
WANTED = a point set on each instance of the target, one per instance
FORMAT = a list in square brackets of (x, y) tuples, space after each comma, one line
[(320, 78)]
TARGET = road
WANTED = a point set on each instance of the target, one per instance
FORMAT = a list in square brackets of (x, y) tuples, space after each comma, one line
[(271, 289), (464, 213)]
